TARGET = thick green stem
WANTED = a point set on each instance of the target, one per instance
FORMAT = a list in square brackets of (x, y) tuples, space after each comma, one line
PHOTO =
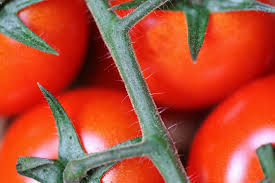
[(164, 158), (150, 121), (115, 32)]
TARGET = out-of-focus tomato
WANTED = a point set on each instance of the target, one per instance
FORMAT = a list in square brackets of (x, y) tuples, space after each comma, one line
[(238, 47), (102, 118), (63, 25), (224, 149), (182, 127)]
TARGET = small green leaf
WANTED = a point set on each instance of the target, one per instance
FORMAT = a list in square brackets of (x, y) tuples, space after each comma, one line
[(42, 170), (197, 21), (69, 145), (266, 155), (128, 5), (12, 26)]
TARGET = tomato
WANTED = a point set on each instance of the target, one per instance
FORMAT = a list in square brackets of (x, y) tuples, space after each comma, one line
[(102, 118), (224, 149), (62, 25), (238, 47), (271, 2)]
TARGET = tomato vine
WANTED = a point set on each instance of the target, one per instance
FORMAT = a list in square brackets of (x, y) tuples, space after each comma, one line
[(73, 165)]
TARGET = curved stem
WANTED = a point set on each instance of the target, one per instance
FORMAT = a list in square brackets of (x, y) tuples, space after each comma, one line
[(169, 172), (77, 169), (115, 33), (131, 19)]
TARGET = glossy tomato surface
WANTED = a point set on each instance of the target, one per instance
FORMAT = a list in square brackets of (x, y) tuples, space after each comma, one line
[(238, 47), (62, 24), (102, 118), (224, 149)]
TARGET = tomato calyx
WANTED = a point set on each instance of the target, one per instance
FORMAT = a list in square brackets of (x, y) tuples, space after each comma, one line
[(45, 170), (197, 19), (266, 155), (12, 26), (42, 170), (197, 14), (52, 171)]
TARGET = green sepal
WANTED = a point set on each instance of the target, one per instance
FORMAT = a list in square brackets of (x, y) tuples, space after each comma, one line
[(128, 5), (233, 5), (266, 155), (197, 21), (12, 26), (69, 145), (51, 171), (42, 170)]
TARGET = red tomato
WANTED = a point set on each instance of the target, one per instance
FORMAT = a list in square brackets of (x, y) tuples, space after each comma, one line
[(63, 25), (224, 149), (238, 47), (102, 118), (271, 2)]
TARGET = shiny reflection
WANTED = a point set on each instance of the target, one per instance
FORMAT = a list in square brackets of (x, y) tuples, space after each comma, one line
[(237, 165), (47, 150), (241, 158), (93, 143), (262, 136)]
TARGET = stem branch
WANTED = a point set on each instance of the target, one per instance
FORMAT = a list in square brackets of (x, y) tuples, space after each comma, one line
[(145, 8), (156, 140), (77, 169)]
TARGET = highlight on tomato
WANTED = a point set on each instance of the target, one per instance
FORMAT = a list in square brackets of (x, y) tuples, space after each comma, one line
[(63, 25), (102, 118), (224, 149)]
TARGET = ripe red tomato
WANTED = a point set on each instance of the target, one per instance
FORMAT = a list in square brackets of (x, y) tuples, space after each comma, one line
[(63, 25), (102, 118), (224, 149), (238, 47)]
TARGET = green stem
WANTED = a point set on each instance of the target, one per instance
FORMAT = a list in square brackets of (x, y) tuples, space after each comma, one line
[(170, 167), (115, 33), (77, 169), (196, 2), (145, 8)]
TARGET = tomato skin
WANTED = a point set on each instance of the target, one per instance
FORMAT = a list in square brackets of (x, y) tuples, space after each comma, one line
[(238, 47), (100, 122), (21, 67), (228, 58), (224, 149)]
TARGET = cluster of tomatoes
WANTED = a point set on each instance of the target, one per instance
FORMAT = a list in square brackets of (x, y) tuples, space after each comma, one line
[(232, 84)]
